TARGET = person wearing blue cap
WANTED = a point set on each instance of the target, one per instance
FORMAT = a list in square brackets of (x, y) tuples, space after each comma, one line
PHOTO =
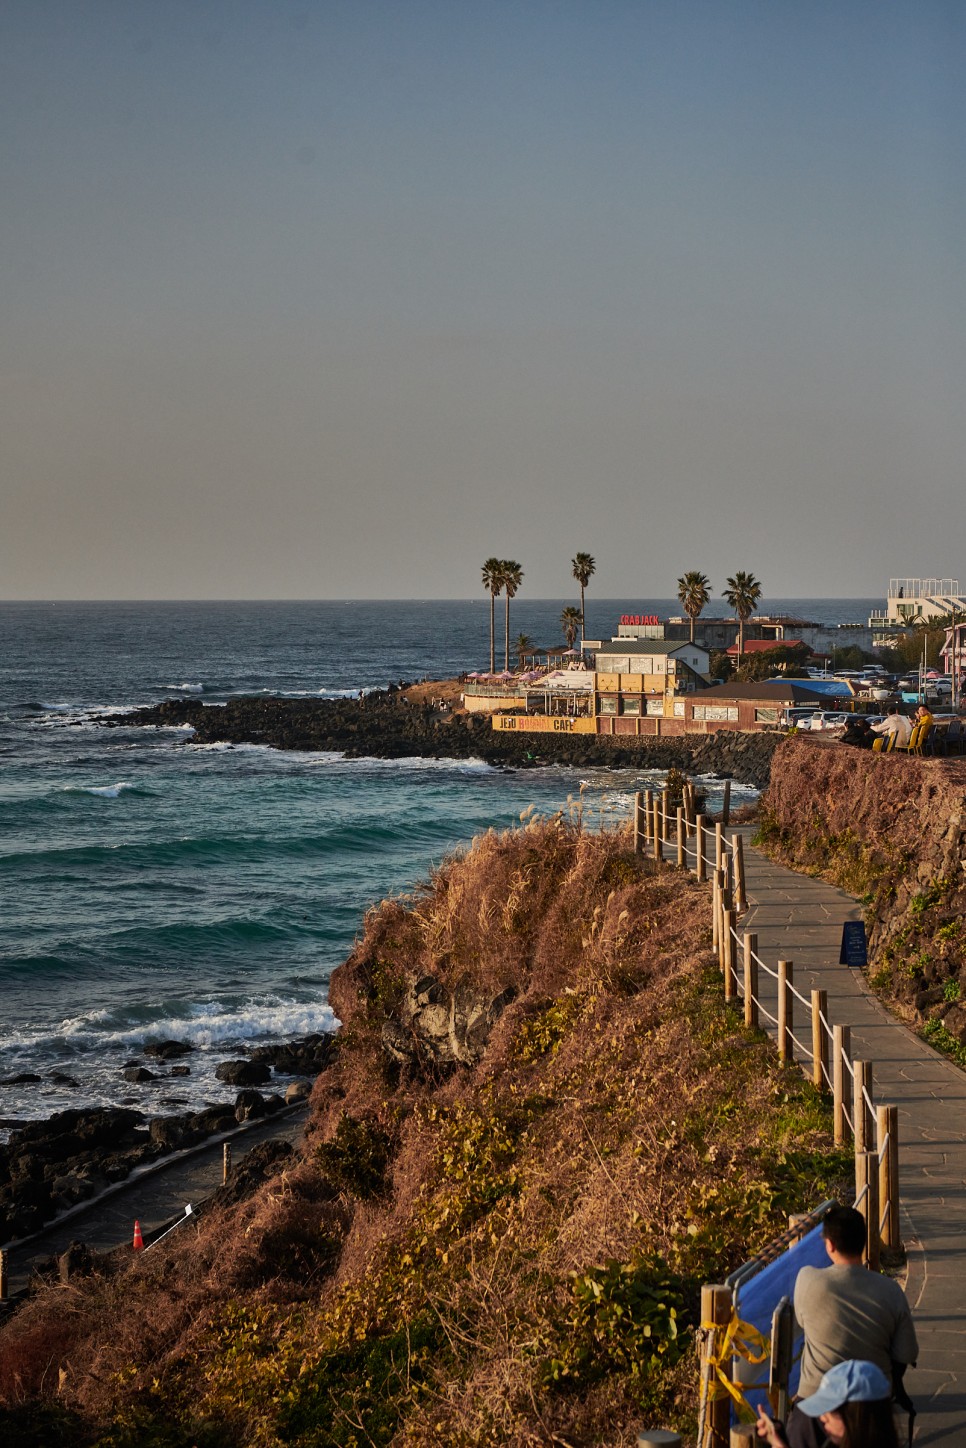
[(852, 1404), (848, 1313)]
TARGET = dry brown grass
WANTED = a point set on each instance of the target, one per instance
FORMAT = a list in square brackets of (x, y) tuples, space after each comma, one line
[(430, 1304)]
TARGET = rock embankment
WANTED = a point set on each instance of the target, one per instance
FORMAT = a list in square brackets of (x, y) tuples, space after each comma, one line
[(892, 831), (49, 1166), (389, 725)]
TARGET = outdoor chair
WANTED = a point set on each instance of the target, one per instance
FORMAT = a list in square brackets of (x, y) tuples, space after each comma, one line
[(913, 745), (878, 745), (925, 741), (954, 737)]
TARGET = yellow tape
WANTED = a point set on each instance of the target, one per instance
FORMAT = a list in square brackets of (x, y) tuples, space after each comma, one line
[(740, 1339)]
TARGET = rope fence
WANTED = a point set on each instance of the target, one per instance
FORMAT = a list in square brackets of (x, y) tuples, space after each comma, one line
[(820, 1048)]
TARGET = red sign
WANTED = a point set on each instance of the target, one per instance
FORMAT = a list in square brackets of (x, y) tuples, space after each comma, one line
[(640, 618)]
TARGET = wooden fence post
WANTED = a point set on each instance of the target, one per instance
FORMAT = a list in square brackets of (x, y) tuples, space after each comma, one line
[(867, 1180), (741, 898), (638, 810), (3, 1275), (820, 1072), (726, 804), (225, 1162), (750, 943), (862, 1083), (841, 1082), (718, 846), (700, 864), (665, 815), (656, 831), (728, 929), (647, 814), (786, 1047), (885, 1124), (894, 1228), (681, 855), (716, 1309)]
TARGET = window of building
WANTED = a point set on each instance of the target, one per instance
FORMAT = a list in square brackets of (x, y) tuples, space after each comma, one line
[(655, 706), (608, 703), (766, 716), (716, 711), (630, 704)]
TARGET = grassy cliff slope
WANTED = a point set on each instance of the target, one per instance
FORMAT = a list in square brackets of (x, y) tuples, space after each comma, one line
[(541, 1133)]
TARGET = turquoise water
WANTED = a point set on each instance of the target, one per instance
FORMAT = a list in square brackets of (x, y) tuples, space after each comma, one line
[(152, 887)]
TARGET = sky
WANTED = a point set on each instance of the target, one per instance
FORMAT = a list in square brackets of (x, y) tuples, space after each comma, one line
[(336, 300)]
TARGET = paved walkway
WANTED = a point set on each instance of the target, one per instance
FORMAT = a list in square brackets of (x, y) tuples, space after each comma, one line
[(801, 919), (155, 1196)]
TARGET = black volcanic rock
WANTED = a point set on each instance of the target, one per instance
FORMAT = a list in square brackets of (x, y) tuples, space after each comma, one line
[(167, 1050), (243, 1073), (385, 725)]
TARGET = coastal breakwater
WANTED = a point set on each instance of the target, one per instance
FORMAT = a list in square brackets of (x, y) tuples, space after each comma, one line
[(891, 830), (521, 1164), (388, 724)]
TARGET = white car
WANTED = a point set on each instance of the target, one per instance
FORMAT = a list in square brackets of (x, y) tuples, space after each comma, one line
[(829, 719)]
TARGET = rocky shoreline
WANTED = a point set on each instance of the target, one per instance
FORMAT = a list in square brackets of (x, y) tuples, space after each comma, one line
[(49, 1166), (389, 724)]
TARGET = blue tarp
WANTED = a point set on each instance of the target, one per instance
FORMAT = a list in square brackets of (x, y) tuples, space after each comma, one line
[(756, 1300), (831, 688)]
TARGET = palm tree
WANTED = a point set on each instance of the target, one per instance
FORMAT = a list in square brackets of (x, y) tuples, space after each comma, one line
[(523, 646), (694, 590), (511, 576), (493, 583), (742, 593), (571, 622), (584, 569)]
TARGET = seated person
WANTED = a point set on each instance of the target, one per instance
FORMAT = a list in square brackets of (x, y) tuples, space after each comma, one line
[(897, 724), (851, 1405), (858, 731)]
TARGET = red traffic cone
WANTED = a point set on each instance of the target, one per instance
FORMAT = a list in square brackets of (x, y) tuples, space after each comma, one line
[(138, 1244)]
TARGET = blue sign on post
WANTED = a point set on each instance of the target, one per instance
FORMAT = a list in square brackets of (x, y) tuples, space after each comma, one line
[(854, 950)]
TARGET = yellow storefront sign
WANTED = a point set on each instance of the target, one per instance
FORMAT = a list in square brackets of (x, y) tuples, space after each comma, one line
[(544, 724)]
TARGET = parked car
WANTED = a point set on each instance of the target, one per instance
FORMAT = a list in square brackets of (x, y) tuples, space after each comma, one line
[(829, 719)]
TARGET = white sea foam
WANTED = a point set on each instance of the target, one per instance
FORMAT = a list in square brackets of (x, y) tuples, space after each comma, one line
[(102, 791), (206, 1025), (185, 688)]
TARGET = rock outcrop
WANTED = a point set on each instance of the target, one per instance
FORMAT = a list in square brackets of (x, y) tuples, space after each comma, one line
[(387, 725)]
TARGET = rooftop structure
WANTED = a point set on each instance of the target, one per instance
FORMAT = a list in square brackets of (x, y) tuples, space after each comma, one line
[(919, 600)]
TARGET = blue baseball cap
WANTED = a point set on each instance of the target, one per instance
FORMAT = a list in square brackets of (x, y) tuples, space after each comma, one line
[(848, 1382)]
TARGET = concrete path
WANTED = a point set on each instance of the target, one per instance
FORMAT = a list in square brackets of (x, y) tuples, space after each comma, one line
[(155, 1196), (800, 919)]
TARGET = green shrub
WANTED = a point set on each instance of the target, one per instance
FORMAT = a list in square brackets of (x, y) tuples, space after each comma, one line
[(355, 1161)]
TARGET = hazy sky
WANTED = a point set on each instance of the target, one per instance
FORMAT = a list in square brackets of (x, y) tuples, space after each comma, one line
[(327, 299)]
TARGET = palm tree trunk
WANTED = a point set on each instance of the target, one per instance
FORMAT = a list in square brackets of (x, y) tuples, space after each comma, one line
[(583, 623), (492, 633), (741, 638), (506, 653), (691, 617)]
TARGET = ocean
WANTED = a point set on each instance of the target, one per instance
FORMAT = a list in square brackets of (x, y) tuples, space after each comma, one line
[(155, 888)]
